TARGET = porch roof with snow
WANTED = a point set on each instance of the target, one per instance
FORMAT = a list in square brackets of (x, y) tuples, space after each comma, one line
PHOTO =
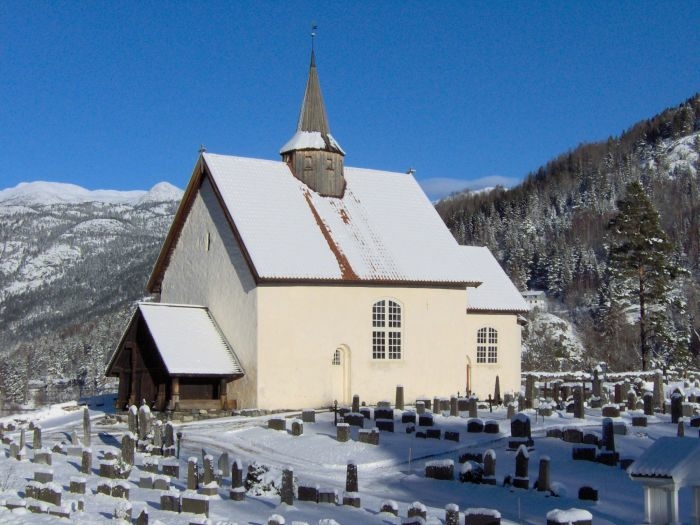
[(383, 230), (497, 293), (187, 339), (673, 458)]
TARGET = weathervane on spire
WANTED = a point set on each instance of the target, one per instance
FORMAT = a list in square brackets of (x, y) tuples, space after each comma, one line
[(314, 27)]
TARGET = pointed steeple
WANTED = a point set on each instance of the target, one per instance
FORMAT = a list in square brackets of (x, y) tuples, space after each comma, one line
[(312, 154), (313, 112)]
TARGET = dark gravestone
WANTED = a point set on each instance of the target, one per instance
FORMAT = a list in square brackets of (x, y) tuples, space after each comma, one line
[(639, 421), (489, 459), (421, 435), (384, 413), (355, 419), (695, 422), (553, 433), (452, 436), (390, 507), (480, 516), (425, 420), (356, 403), (583, 453), (572, 435), (433, 433), (309, 416), (385, 425), (578, 404), (543, 481), (475, 425), (452, 514), (366, 412), (287, 490), (590, 439), (611, 411), (491, 427), (607, 442), (520, 426), (608, 458), (420, 407), (676, 406), (648, 400), (305, 493), (237, 492), (342, 432), (587, 493), (408, 417), (351, 483), (471, 472), (522, 459), (453, 406)]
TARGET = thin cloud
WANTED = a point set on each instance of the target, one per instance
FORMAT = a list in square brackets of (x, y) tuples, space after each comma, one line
[(439, 187)]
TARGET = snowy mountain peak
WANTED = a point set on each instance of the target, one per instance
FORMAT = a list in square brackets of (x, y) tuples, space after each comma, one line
[(42, 193), (162, 192)]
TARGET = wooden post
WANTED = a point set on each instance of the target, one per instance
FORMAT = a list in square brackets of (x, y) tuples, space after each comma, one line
[(222, 393), (175, 399), (132, 388)]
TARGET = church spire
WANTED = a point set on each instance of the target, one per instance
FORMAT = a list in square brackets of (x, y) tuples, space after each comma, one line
[(312, 154)]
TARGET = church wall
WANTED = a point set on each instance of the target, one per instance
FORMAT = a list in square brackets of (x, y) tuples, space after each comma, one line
[(483, 375), (207, 268), (300, 327)]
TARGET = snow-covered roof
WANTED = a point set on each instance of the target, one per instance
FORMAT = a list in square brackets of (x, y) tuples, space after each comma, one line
[(312, 140), (497, 292), (188, 340), (383, 229), (670, 457)]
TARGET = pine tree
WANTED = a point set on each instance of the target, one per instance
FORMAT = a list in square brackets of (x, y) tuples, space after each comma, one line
[(640, 256)]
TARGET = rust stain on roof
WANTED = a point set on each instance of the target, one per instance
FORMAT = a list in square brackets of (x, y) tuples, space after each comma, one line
[(344, 215), (346, 271)]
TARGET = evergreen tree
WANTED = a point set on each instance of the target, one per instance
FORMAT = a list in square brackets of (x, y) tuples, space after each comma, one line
[(640, 257)]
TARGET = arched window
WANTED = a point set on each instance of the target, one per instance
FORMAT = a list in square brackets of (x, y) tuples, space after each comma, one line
[(336, 358), (386, 330), (487, 345)]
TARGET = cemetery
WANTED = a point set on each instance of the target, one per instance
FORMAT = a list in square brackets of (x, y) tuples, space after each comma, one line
[(579, 450)]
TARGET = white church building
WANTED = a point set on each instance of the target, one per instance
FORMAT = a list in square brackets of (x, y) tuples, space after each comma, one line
[(298, 282)]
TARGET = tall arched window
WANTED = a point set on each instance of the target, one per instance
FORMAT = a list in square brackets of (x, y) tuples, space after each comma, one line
[(487, 345), (386, 330), (336, 358)]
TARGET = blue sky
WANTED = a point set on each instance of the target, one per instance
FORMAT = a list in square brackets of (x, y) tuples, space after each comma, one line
[(121, 94)]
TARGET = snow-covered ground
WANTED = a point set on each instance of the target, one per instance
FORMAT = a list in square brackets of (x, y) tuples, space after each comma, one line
[(393, 470)]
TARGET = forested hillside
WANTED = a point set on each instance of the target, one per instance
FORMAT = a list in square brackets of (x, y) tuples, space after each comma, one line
[(553, 233), (72, 263)]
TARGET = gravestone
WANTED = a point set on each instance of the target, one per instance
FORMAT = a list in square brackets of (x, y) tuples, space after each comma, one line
[(309, 416), (453, 406), (658, 389), (297, 427), (158, 434), (132, 419), (128, 448), (87, 430), (681, 429), (417, 509), (543, 481), (36, 442), (170, 500), (237, 492), (520, 431), (489, 459), (596, 384), (648, 399), (399, 398), (522, 459), (224, 465), (578, 404), (420, 407), (452, 514), (510, 410), (390, 507), (351, 482), (529, 390), (342, 432), (475, 425), (86, 462), (631, 400), (355, 403), (676, 406), (473, 407), (306, 493), (287, 489), (440, 469), (481, 516), (22, 438), (144, 418), (607, 442), (210, 487), (587, 493), (192, 474)]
